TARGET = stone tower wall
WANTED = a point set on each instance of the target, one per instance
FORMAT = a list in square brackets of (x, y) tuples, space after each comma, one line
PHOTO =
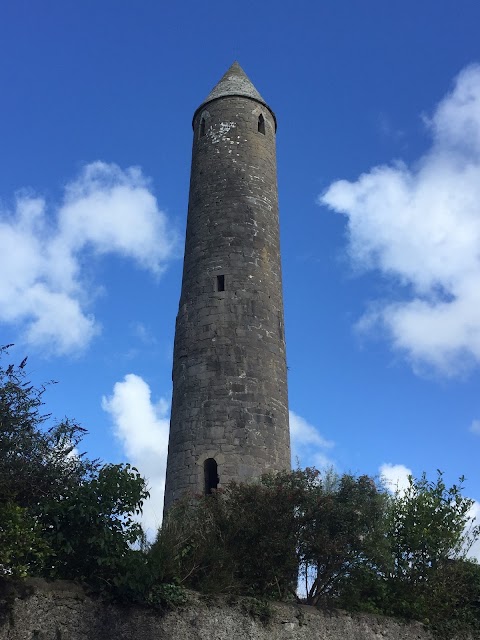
[(229, 372)]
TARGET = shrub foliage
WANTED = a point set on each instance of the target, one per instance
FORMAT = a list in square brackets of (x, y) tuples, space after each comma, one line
[(61, 514), (335, 541), (331, 540)]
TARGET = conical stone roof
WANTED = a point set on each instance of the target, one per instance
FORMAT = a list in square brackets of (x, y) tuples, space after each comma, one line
[(235, 82)]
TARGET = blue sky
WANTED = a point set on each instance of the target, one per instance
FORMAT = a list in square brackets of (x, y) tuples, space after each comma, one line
[(378, 106)]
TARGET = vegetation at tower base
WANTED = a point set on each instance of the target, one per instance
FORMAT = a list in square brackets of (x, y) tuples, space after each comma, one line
[(255, 539), (353, 544)]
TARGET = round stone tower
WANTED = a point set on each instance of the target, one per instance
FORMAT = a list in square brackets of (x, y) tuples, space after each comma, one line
[(229, 408)]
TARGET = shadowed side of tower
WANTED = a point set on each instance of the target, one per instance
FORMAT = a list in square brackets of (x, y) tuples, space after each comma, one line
[(229, 407)]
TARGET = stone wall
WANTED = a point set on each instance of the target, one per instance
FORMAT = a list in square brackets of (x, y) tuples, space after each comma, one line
[(62, 611)]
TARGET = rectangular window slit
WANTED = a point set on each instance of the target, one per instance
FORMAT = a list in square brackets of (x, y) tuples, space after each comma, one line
[(220, 283)]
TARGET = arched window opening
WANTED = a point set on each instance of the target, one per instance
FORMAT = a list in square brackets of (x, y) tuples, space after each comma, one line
[(202, 127), (210, 469), (261, 124)]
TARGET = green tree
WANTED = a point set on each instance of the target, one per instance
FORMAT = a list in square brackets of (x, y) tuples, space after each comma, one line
[(61, 514), (429, 524), (341, 532), (353, 544), (36, 460), (92, 529), (23, 550), (261, 534), (252, 538), (429, 578)]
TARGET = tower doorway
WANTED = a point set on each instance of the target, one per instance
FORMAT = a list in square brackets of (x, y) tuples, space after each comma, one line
[(210, 470)]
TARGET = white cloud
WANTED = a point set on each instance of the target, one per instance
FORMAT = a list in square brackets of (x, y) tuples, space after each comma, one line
[(474, 551), (142, 428), (475, 427), (395, 476), (43, 290), (420, 225), (308, 446)]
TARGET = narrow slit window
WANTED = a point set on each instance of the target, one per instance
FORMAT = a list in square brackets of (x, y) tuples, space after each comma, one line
[(220, 283), (261, 124), (202, 127), (280, 328), (210, 469)]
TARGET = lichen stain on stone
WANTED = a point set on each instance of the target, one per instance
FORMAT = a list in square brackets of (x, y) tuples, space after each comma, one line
[(220, 134)]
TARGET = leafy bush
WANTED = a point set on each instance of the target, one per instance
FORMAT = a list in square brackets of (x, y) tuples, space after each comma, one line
[(191, 548), (92, 528), (341, 530), (61, 515), (251, 539), (261, 527), (352, 544), (422, 572), (429, 532), (22, 548), (427, 526)]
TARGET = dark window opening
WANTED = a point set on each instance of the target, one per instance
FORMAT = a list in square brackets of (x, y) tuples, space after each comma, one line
[(220, 283), (210, 469), (261, 124), (202, 127)]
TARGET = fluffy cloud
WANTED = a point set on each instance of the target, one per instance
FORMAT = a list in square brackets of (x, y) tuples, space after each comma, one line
[(142, 428), (420, 225), (474, 513), (475, 427), (308, 446), (395, 476), (42, 289)]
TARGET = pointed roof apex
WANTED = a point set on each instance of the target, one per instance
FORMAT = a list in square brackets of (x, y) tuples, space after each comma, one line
[(235, 82)]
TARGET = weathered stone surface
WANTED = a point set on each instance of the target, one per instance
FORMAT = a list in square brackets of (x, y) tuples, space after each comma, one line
[(229, 370), (234, 83), (62, 611)]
